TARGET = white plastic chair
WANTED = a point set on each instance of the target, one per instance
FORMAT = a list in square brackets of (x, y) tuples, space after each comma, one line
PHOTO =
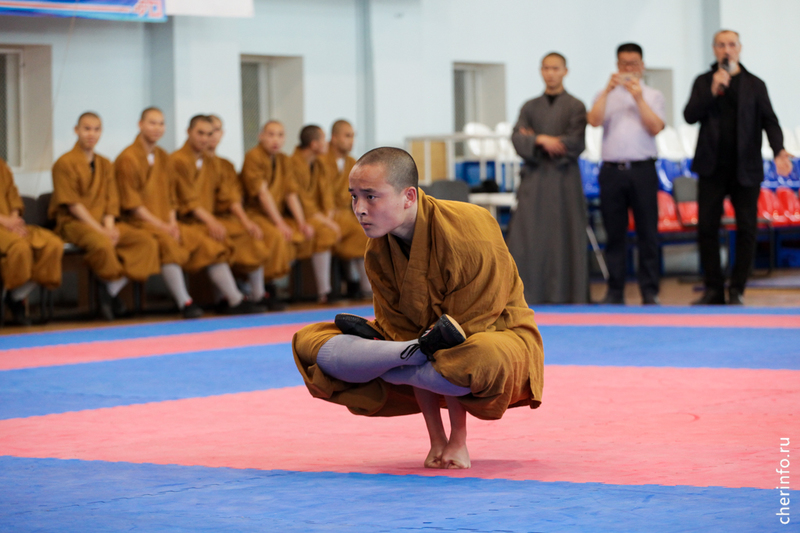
[(505, 149), (669, 145), (594, 142), (485, 148), (688, 135)]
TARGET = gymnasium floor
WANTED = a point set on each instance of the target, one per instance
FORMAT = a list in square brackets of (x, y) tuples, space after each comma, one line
[(667, 419)]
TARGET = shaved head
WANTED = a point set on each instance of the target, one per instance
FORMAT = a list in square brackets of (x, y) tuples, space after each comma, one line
[(270, 122), (309, 134), (339, 124), (198, 118), (401, 170), (89, 114)]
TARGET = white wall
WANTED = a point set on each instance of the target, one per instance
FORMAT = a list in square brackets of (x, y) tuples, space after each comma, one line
[(770, 34)]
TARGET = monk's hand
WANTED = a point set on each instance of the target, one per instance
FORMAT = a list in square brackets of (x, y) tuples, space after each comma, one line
[(335, 227), (216, 230), (783, 163), (17, 225), (286, 231), (113, 234), (254, 231), (526, 131), (307, 230), (174, 231), (551, 145)]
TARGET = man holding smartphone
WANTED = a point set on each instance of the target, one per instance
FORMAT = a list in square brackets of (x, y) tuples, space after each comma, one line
[(631, 114), (733, 107)]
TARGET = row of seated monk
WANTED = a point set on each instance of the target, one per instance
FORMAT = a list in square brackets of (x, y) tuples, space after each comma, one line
[(151, 212)]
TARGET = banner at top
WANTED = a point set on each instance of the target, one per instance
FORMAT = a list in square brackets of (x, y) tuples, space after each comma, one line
[(137, 10)]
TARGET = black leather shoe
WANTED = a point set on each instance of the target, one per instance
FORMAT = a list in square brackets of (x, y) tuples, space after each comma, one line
[(613, 299), (651, 299), (192, 311), (104, 305), (711, 297), (356, 325), (245, 307), (446, 333), (17, 308), (735, 297)]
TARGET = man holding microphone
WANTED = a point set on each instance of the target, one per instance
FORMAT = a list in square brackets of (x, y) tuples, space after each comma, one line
[(732, 106)]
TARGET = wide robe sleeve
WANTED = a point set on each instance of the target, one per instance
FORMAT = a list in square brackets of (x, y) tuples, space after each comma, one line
[(183, 174), (129, 181)]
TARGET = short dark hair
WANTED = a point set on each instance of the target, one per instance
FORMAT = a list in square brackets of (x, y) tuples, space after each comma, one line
[(199, 118), (310, 134), (401, 170), (88, 114), (149, 109), (556, 54), (630, 47)]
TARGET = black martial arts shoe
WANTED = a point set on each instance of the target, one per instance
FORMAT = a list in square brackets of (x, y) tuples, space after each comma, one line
[(446, 333), (735, 296), (191, 311), (17, 308), (110, 307), (356, 325), (711, 297)]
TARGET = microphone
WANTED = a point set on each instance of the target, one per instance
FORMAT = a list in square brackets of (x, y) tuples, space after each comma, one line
[(726, 66)]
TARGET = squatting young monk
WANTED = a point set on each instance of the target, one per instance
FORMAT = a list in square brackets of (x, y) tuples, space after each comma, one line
[(449, 304), (29, 255), (85, 204), (353, 243)]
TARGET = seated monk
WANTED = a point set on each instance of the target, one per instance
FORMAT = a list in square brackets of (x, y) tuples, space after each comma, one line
[(449, 304)]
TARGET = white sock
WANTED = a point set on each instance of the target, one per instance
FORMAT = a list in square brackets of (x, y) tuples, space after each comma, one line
[(424, 377), (222, 278), (256, 278), (116, 285), (173, 277), (356, 360), (363, 280), (22, 292), (321, 262)]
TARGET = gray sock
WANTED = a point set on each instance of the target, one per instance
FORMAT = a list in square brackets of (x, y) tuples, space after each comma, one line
[(222, 278), (356, 360), (116, 285), (424, 377), (321, 262), (22, 292), (173, 278), (256, 279)]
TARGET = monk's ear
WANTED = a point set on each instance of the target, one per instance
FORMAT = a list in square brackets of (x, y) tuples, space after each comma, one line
[(410, 196)]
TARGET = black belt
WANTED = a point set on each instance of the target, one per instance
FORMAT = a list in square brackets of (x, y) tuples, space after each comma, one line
[(627, 165)]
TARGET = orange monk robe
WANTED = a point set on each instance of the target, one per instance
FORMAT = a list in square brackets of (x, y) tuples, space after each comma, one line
[(315, 197), (152, 186), (214, 188), (354, 241), (256, 171), (35, 257), (135, 254), (458, 265)]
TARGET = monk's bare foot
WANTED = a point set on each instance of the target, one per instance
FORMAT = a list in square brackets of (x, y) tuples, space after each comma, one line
[(455, 456), (434, 458)]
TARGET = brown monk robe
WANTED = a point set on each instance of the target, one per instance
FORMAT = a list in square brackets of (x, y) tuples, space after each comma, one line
[(458, 265), (260, 170), (315, 196), (213, 187), (74, 182), (152, 186), (353, 242), (29, 254)]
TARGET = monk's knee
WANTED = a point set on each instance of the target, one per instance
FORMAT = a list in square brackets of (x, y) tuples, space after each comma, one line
[(307, 342)]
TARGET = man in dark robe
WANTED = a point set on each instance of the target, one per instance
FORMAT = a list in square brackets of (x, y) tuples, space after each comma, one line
[(547, 236)]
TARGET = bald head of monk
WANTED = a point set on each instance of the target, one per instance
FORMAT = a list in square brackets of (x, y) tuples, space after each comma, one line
[(200, 130), (342, 137), (383, 185), (312, 140), (151, 125), (272, 137), (88, 129)]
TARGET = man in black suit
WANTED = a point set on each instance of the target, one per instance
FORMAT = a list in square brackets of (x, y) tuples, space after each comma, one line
[(732, 106)]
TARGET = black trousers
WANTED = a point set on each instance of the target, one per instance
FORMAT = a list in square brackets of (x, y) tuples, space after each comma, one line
[(711, 194), (635, 188)]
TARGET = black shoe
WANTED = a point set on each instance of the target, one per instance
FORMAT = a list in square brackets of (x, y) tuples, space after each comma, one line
[(245, 307), (191, 311), (17, 308), (651, 299), (613, 298), (711, 297), (271, 300), (446, 333), (104, 305), (735, 296), (356, 325)]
